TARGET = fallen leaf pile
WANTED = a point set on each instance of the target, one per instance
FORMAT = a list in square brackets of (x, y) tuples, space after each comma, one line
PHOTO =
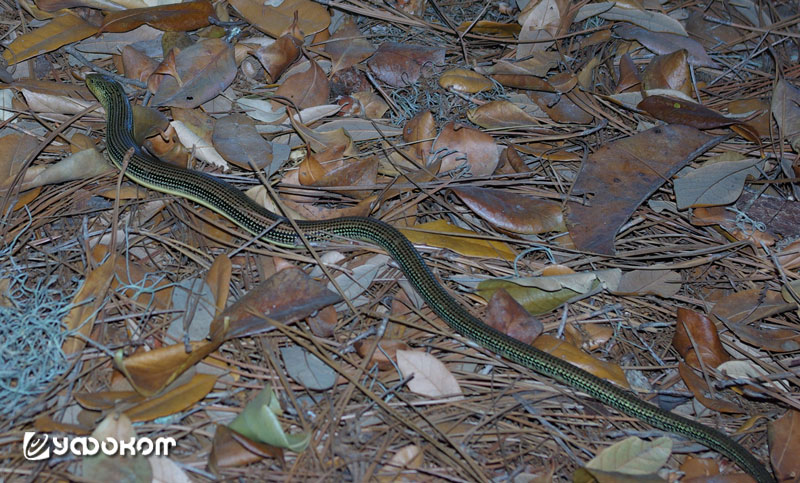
[(615, 183)]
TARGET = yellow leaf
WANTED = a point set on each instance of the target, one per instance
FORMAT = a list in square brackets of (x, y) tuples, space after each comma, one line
[(150, 372), (568, 352), (60, 31), (442, 234), (175, 400), (463, 80), (86, 302)]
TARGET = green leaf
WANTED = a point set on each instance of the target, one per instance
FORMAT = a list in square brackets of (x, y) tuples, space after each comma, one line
[(259, 422), (633, 456)]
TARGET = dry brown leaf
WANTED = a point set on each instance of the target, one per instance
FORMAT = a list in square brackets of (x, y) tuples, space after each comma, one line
[(274, 21), (47, 424), (501, 114), (419, 132), (696, 334), (513, 212), (664, 283), (287, 296), (404, 461), (699, 388), (348, 46), (230, 449), (137, 65), (15, 148), (739, 310), (463, 80), (511, 161), (86, 305), (430, 377), (62, 30), (175, 400), (628, 74), (568, 352), (383, 355), (786, 110), (219, 278), (783, 435), (466, 145), (540, 21), (669, 71), (538, 64), (279, 55), (105, 400), (235, 138), (401, 64), (622, 174), (149, 372), (176, 17), (693, 467), (487, 27), (509, 317), (666, 43), (442, 234), (195, 75), (306, 89), (372, 105), (109, 468)]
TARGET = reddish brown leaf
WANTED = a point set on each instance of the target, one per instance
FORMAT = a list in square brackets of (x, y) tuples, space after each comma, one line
[(275, 20), (323, 323), (622, 174), (62, 30), (401, 64), (469, 145), (699, 388), (677, 111), (231, 449), (561, 108), (669, 71), (419, 132), (279, 55), (136, 64), (464, 80), (739, 310), (287, 296), (696, 334), (509, 317), (176, 17), (783, 435), (384, 354), (329, 168), (628, 74), (306, 89), (514, 212), (522, 81), (500, 113), (694, 467), (510, 158)]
